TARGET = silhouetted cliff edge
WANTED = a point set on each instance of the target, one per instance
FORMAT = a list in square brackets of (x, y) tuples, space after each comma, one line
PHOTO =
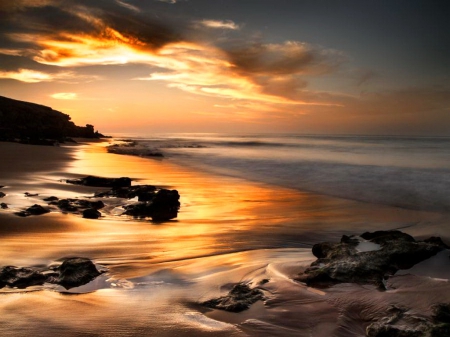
[(30, 122)]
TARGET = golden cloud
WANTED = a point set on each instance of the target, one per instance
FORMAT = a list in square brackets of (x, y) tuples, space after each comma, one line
[(64, 95), (218, 24), (189, 66)]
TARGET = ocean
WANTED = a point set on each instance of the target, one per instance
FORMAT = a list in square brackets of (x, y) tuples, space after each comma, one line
[(406, 172), (252, 207)]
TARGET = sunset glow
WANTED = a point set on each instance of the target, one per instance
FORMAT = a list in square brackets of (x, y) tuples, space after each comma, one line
[(222, 67)]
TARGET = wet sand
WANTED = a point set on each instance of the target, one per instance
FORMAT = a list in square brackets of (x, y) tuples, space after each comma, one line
[(228, 230)]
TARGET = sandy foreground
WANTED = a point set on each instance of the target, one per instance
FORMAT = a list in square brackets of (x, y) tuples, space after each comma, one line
[(228, 230)]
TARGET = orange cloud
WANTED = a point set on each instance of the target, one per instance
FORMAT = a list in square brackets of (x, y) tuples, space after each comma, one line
[(33, 76), (265, 74)]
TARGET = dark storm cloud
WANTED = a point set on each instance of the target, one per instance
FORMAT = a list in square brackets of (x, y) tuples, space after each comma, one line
[(83, 17), (283, 59)]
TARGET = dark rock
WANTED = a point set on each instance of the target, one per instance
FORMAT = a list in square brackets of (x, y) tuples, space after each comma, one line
[(65, 205), (436, 240), (31, 194), (153, 154), (51, 199), (101, 182), (22, 214), (73, 205), (342, 262), (441, 312), (73, 272), (240, 298), (164, 206), (4, 205), (37, 210), (76, 271), (400, 323), (33, 210), (91, 213), (321, 250), (143, 192), (2, 194), (440, 330), (20, 277), (383, 236)]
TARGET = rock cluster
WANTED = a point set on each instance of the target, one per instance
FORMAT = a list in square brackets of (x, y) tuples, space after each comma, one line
[(240, 298), (73, 272), (142, 192), (158, 204), (162, 206), (33, 210), (343, 262)]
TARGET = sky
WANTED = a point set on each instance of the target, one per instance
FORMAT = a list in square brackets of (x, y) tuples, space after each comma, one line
[(243, 66)]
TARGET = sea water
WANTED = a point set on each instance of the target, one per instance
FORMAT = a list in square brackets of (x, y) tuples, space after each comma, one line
[(407, 172)]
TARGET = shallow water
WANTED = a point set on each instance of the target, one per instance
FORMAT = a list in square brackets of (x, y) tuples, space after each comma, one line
[(228, 230), (407, 172)]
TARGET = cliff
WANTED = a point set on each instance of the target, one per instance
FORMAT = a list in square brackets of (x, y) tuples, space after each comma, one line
[(29, 121)]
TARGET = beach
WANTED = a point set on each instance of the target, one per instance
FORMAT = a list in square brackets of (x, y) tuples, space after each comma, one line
[(229, 229)]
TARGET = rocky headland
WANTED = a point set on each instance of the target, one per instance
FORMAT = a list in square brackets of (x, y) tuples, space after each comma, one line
[(31, 123)]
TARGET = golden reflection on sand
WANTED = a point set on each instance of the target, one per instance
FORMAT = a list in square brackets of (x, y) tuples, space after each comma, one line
[(218, 214)]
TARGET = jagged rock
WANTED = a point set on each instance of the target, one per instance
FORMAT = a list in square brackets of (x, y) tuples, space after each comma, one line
[(342, 262), (91, 213), (4, 205), (101, 182), (164, 206), (52, 198), (240, 298), (73, 205), (76, 271), (143, 192), (20, 277), (33, 210), (73, 272)]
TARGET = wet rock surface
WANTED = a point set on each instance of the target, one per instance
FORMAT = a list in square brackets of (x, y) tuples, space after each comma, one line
[(73, 272), (33, 210), (20, 277), (343, 263), (74, 205), (76, 271), (101, 182), (91, 213), (399, 322), (158, 204), (143, 192), (240, 298), (163, 206)]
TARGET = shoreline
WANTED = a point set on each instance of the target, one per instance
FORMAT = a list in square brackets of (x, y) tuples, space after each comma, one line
[(220, 238)]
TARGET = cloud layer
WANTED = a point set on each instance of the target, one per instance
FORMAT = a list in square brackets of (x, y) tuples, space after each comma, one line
[(62, 40)]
